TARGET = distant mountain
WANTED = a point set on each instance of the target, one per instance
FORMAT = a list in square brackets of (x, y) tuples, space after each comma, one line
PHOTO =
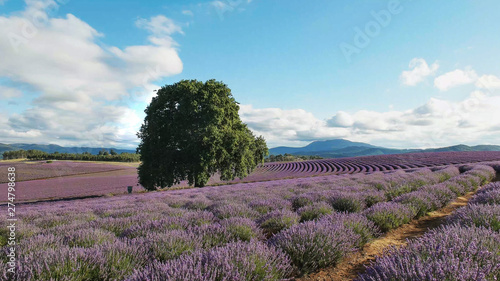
[(340, 148), (51, 148), (319, 146)]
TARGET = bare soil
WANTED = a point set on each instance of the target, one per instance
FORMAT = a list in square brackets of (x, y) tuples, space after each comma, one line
[(355, 263)]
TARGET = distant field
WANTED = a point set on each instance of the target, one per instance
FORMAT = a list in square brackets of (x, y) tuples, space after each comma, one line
[(26, 171), (62, 179)]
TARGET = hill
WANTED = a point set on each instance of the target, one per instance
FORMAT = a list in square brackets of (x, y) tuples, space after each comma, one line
[(340, 148)]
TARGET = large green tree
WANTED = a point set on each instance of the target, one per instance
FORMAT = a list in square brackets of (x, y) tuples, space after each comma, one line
[(191, 131)]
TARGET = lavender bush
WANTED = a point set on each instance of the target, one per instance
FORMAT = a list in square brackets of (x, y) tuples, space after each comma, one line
[(440, 192), (489, 195), (447, 253), (420, 201), (366, 229), (278, 220), (224, 210), (314, 211), (348, 202), (313, 245), (264, 206), (478, 215), (236, 261), (243, 229), (172, 244), (389, 215)]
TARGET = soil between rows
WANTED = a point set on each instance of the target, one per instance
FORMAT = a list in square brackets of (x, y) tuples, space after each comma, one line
[(355, 264)]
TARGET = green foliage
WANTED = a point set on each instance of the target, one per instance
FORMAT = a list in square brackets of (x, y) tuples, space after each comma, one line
[(290, 158), (86, 156), (191, 131)]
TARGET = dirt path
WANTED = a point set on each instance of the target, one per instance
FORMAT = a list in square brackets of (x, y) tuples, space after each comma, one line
[(355, 263)]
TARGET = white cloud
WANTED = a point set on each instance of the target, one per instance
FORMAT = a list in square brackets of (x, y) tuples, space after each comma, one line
[(9, 93), (455, 78), (419, 70), (224, 6), (341, 119), (488, 82), (435, 123), (287, 126), (159, 25), (84, 88)]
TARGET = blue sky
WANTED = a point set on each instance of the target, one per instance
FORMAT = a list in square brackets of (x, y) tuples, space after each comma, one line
[(81, 72)]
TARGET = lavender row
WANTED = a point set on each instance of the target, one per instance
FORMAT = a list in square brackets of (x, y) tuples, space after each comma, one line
[(465, 249), (167, 228)]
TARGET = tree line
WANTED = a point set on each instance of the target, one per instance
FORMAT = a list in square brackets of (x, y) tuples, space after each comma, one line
[(103, 155), (289, 158)]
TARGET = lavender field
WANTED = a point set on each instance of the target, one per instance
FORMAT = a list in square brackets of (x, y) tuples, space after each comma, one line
[(272, 230), (66, 179)]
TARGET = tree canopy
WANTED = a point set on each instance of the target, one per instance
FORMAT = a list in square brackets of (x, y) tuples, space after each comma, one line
[(191, 131)]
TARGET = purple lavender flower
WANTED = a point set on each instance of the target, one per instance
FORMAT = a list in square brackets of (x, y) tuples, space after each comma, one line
[(421, 202), (277, 220), (447, 253), (172, 244), (264, 206), (243, 229), (366, 229), (224, 210), (389, 215), (235, 261), (348, 202), (315, 244), (478, 215), (314, 211), (489, 195)]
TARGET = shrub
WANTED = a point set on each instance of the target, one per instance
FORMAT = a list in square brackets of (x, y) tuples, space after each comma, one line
[(421, 202), (199, 218), (264, 206), (212, 235), (305, 199), (278, 220), (235, 261), (389, 215), (478, 215), (61, 263), (373, 197), (88, 237), (313, 245), (440, 192), (446, 253), (489, 195), (366, 229), (447, 173), (143, 228), (197, 204), (348, 202), (103, 262), (224, 210), (172, 244), (396, 190), (314, 211), (485, 173), (243, 229)]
